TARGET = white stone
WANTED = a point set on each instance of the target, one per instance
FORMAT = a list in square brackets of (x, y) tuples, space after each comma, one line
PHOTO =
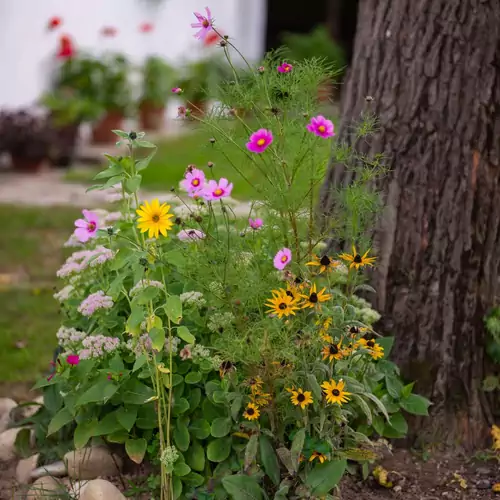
[(30, 410), (98, 489), (24, 469), (45, 488), (7, 444), (74, 487), (90, 463), (6, 405), (57, 469)]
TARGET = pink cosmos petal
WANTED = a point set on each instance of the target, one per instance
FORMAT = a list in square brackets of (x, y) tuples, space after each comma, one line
[(255, 223), (82, 234), (81, 223), (260, 141)]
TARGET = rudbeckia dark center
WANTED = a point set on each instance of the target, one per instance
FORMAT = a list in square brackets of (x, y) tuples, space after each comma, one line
[(290, 294), (301, 398), (298, 280), (325, 261), (354, 329), (282, 306), (357, 259), (368, 336), (155, 218), (335, 392), (370, 343), (313, 298), (250, 411), (333, 349)]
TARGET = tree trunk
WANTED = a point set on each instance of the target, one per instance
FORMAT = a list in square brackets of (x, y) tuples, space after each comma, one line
[(433, 70)]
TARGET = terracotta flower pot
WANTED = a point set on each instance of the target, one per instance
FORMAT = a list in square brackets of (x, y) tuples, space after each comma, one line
[(198, 108), (26, 165), (102, 130), (151, 116), (325, 92), (65, 144)]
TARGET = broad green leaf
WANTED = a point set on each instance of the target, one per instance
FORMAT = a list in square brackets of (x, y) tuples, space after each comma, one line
[(118, 437), (98, 393), (194, 398), (219, 397), (236, 407), (184, 334), (219, 449), (116, 363), (286, 459), (193, 377), (127, 416), (387, 343), (136, 393), (115, 169), (111, 182), (144, 162), (195, 456), (297, 447), (314, 386), (269, 460), (378, 423), (397, 426), (378, 403), (135, 319), (210, 411), (121, 133), (181, 469), (394, 386), (181, 436), (177, 487), (241, 487), (147, 295), (173, 308), (133, 183), (60, 419), (84, 431), (282, 493), (193, 480), (157, 338), (140, 362), (22, 443), (136, 449), (251, 450), (324, 477), (364, 407), (144, 144), (181, 406), (200, 428), (405, 393), (415, 404)]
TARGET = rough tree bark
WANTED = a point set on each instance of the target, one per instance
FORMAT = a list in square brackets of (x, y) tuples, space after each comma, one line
[(433, 69)]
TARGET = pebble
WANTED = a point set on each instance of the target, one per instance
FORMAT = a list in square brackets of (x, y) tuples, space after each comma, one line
[(483, 471), (6, 405), (7, 444), (90, 463), (43, 486), (99, 489), (57, 469), (483, 484), (25, 468)]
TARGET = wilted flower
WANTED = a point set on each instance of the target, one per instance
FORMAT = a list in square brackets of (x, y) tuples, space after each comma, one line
[(186, 353), (282, 258), (86, 228), (260, 141), (69, 336), (64, 294), (182, 112), (190, 235), (174, 343), (261, 69), (204, 23), (109, 31)]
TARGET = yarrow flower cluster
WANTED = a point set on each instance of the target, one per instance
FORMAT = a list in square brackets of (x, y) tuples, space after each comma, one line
[(69, 336), (220, 321), (169, 456), (96, 346), (216, 288), (81, 260), (94, 302), (193, 299), (142, 284), (64, 293), (174, 343), (141, 345)]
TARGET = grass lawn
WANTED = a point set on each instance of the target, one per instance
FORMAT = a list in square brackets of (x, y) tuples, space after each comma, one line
[(173, 156), (30, 254)]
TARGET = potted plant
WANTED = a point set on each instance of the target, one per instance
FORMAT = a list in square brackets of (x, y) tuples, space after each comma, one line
[(158, 79), (317, 44), (114, 96), (26, 137)]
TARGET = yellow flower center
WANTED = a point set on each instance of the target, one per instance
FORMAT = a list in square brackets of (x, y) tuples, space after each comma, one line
[(218, 192), (287, 68), (155, 218), (321, 128), (261, 142), (205, 23), (196, 182), (284, 258)]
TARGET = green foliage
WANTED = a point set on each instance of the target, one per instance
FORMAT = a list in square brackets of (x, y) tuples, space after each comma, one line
[(158, 78)]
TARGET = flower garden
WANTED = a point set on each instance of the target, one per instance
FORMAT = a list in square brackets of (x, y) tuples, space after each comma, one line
[(235, 357)]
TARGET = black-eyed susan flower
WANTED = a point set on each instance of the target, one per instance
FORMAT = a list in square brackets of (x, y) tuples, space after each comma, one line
[(357, 260), (301, 398), (324, 263), (282, 304), (251, 412), (314, 298), (154, 218), (376, 351), (260, 398), (348, 349), (332, 351), (293, 292), (496, 488), (334, 392), (225, 368), (316, 455), (495, 434), (255, 384)]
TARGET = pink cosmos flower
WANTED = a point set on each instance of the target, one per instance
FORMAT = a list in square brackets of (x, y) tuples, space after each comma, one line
[(282, 258), (73, 359), (204, 23), (255, 223), (177, 90), (146, 27), (190, 235), (86, 228), (194, 181), (216, 190), (321, 127), (285, 68), (260, 140)]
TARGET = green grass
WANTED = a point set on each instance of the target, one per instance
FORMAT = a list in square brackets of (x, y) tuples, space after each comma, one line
[(30, 254)]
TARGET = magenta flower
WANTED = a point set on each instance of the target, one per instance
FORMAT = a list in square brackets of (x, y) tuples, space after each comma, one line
[(321, 127), (204, 23), (182, 112), (86, 228), (190, 235), (285, 68), (73, 359), (194, 181), (177, 90), (260, 140), (216, 190), (282, 258), (255, 223)]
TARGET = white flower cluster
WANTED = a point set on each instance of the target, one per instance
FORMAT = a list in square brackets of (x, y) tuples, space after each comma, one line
[(199, 351), (81, 260), (368, 315), (216, 288), (220, 321), (195, 299), (175, 344), (64, 293), (94, 302), (169, 456), (141, 345), (69, 336), (142, 284), (244, 258), (96, 346)]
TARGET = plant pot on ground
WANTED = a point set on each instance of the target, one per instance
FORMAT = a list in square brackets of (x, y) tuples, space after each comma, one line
[(102, 131), (27, 138)]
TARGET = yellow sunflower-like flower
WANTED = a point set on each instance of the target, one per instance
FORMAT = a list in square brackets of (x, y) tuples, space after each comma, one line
[(314, 298), (357, 260), (332, 351), (324, 263), (323, 331), (495, 434), (301, 398), (348, 349), (293, 292), (255, 384), (251, 412), (376, 351), (319, 456), (334, 392), (282, 304), (154, 218), (260, 398), (496, 488)]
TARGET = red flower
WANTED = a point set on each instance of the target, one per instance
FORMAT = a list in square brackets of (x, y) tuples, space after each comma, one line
[(66, 47), (54, 22), (73, 359), (146, 27), (109, 31), (211, 39)]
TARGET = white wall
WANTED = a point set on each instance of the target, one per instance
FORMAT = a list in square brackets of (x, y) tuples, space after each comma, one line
[(27, 48)]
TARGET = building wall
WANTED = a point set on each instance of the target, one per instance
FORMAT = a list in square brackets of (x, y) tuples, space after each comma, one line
[(27, 48)]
